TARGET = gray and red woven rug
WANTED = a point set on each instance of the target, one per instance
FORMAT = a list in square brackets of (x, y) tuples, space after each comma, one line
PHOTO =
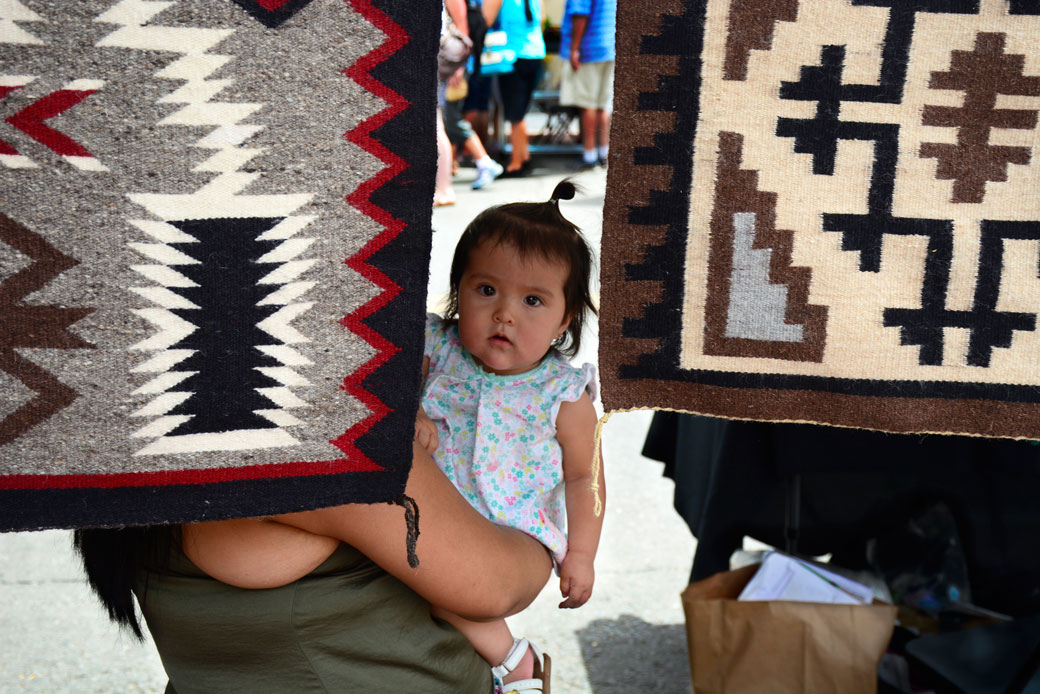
[(214, 235), (826, 211)]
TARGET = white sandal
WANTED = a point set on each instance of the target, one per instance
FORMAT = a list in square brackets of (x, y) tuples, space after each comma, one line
[(539, 684)]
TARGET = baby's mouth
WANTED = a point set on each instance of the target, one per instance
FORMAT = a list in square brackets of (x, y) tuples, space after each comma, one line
[(500, 340)]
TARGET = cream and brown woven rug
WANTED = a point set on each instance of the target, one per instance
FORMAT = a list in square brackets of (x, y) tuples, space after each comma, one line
[(827, 211)]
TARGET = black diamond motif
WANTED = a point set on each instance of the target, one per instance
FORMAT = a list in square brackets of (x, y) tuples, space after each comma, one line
[(224, 385), (272, 13)]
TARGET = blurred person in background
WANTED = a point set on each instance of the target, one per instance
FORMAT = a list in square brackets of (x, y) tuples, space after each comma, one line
[(475, 107), (460, 131), (463, 139), (587, 44), (521, 20), (453, 13)]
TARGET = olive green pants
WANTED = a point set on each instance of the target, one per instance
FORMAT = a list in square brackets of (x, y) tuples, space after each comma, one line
[(346, 627)]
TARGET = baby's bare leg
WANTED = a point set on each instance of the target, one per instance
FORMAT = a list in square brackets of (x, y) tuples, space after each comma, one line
[(492, 640), (251, 553), (467, 564)]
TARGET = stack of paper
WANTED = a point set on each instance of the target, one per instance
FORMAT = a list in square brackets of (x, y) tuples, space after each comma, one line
[(783, 577)]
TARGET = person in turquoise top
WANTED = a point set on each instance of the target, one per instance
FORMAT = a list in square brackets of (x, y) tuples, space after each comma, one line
[(521, 20), (507, 418)]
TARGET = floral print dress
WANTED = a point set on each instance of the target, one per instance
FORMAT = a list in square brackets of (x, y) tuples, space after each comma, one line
[(497, 434)]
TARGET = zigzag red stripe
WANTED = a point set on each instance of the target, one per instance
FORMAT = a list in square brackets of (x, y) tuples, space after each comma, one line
[(396, 37)]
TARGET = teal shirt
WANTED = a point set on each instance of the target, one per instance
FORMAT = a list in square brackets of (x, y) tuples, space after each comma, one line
[(524, 36)]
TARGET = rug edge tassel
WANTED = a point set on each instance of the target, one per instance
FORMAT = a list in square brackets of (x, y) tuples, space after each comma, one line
[(411, 519)]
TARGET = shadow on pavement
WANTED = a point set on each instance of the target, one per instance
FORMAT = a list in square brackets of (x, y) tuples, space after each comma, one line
[(630, 655)]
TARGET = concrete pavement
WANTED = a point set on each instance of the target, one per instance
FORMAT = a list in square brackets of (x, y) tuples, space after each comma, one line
[(54, 637)]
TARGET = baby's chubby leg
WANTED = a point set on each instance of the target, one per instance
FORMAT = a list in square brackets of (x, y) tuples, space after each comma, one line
[(254, 553), (467, 564), (492, 640)]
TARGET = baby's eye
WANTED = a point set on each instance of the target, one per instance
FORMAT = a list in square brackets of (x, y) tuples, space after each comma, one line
[(486, 290), (532, 300)]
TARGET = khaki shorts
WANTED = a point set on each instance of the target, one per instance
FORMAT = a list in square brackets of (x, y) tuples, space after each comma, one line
[(592, 86)]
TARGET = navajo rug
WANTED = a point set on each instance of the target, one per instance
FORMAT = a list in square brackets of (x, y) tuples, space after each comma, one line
[(214, 235), (826, 211)]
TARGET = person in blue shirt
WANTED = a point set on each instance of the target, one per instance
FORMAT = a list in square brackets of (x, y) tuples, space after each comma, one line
[(587, 43)]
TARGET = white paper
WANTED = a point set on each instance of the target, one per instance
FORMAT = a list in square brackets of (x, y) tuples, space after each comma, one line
[(781, 577)]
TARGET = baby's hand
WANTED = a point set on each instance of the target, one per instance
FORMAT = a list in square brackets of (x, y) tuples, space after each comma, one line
[(576, 578), (425, 431)]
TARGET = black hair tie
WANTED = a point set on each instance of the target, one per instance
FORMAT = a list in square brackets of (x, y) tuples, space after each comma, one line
[(564, 190)]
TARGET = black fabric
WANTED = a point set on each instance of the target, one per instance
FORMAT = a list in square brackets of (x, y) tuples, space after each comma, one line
[(477, 29), (730, 481), (518, 86), (479, 96)]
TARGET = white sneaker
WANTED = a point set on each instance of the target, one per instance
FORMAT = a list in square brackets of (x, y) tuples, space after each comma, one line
[(487, 174)]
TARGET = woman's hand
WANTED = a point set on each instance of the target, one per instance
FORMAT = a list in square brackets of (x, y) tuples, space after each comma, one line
[(456, 77), (577, 575), (426, 431)]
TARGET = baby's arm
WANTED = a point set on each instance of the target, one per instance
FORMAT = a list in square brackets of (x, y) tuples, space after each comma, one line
[(425, 429), (576, 432)]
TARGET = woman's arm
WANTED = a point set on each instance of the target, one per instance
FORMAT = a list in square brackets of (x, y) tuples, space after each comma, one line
[(457, 11), (490, 10), (467, 564), (579, 22), (576, 432)]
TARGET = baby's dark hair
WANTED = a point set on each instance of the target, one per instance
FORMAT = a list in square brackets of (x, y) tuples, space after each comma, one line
[(534, 228)]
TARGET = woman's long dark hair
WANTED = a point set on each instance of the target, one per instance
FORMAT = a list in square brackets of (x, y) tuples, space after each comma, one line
[(112, 558)]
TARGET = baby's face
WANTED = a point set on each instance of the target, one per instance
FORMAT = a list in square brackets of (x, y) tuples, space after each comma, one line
[(511, 308)]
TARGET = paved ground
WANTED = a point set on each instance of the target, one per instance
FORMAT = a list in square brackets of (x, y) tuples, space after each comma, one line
[(629, 637)]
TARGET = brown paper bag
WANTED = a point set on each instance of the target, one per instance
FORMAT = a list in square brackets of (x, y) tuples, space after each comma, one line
[(779, 647)]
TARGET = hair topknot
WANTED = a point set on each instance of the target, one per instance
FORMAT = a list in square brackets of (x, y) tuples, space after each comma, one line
[(564, 190)]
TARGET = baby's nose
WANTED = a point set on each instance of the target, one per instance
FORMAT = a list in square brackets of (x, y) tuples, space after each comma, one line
[(503, 315)]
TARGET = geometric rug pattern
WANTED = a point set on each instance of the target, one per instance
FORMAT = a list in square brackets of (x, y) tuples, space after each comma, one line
[(827, 211), (214, 235)]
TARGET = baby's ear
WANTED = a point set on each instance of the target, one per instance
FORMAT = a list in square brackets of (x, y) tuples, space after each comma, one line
[(564, 325)]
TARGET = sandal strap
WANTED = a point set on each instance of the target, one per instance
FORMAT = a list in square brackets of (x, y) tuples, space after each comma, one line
[(512, 659), (539, 684), (532, 686)]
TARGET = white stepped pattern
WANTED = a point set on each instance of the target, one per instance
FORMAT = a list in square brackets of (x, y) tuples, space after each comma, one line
[(12, 11), (219, 198)]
